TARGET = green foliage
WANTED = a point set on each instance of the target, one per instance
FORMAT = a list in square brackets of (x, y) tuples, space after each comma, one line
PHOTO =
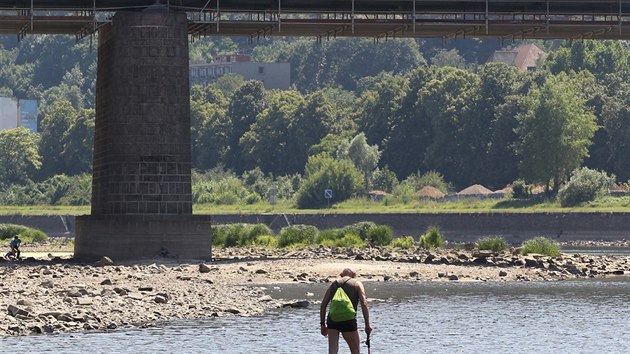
[(432, 238), (380, 235), (384, 179), (585, 185), (350, 240), (57, 190), (404, 192), (232, 235), (405, 242), (541, 245), (79, 192), (431, 178), (270, 141), (218, 235), (26, 234), (362, 228), (253, 232), (555, 131), (19, 157), (339, 238), (218, 187), (520, 189), (492, 243), (328, 237), (323, 173), (58, 120), (364, 157), (253, 198), (297, 234), (267, 241)]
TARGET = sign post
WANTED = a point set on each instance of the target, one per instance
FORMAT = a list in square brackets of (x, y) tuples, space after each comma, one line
[(328, 194)]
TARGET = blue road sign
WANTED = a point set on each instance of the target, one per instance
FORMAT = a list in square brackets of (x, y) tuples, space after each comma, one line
[(328, 193)]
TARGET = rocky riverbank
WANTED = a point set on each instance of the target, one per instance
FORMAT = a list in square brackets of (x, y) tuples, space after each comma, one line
[(61, 295)]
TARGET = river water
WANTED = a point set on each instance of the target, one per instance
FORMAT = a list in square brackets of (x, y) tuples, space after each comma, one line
[(581, 316)]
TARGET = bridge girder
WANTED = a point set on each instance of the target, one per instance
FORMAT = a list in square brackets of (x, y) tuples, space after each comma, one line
[(544, 19)]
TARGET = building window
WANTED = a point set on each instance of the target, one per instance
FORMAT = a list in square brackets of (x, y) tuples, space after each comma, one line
[(261, 69)]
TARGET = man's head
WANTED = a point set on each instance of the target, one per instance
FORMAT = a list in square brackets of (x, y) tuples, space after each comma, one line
[(15, 237), (347, 272)]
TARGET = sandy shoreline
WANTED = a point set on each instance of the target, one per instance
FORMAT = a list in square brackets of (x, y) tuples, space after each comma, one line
[(60, 295)]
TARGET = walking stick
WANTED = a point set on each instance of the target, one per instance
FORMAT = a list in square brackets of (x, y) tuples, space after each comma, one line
[(367, 342)]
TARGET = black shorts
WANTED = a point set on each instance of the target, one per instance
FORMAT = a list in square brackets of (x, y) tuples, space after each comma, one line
[(343, 326)]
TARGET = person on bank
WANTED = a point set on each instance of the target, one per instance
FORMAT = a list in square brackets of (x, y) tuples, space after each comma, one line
[(14, 247), (344, 295)]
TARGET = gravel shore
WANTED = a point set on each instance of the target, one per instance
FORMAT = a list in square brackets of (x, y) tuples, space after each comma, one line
[(55, 295)]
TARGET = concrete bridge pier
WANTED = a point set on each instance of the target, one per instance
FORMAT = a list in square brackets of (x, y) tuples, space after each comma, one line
[(141, 188)]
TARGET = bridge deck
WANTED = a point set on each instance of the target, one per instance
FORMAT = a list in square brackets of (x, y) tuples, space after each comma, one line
[(514, 19)]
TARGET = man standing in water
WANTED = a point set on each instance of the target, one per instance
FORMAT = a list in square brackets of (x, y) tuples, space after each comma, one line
[(355, 291)]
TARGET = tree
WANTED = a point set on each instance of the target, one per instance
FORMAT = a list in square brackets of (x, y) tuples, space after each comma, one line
[(78, 144), (313, 120), (209, 134), (493, 130), (448, 58), (450, 99), (19, 157), (377, 105), (363, 156), (555, 132), (268, 141), (410, 134), (210, 127), (245, 105), (616, 117), (59, 119)]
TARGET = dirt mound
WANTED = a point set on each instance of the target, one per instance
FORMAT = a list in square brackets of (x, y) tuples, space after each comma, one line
[(430, 192), (475, 189)]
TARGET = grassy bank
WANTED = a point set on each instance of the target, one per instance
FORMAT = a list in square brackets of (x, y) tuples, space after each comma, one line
[(605, 204)]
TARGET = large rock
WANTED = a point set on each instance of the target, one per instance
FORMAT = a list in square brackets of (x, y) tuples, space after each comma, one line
[(105, 261), (15, 311), (297, 304), (204, 268)]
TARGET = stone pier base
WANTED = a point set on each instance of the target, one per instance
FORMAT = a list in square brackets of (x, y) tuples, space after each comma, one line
[(132, 237)]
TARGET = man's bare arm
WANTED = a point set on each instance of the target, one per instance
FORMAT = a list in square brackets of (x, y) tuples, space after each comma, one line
[(364, 307)]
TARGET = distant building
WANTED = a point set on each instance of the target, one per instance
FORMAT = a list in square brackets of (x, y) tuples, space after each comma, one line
[(526, 57), (272, 75), (18, 113)]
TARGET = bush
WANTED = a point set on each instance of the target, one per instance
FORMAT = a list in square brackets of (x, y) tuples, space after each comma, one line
[(297, 234), (218, 235), (492, 243), (432, 238), (405, 242), (326, 173), (361, 228), (350, 240), (541, 245), (26, 234), (234, 235), (252, 232), (380, 235), (253, 198), (268, 241), (79, 192), (404, 192), (585, 185), (520, 190), (329, 237)]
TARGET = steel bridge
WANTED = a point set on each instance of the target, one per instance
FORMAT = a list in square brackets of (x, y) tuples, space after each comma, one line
[(325, 19)]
